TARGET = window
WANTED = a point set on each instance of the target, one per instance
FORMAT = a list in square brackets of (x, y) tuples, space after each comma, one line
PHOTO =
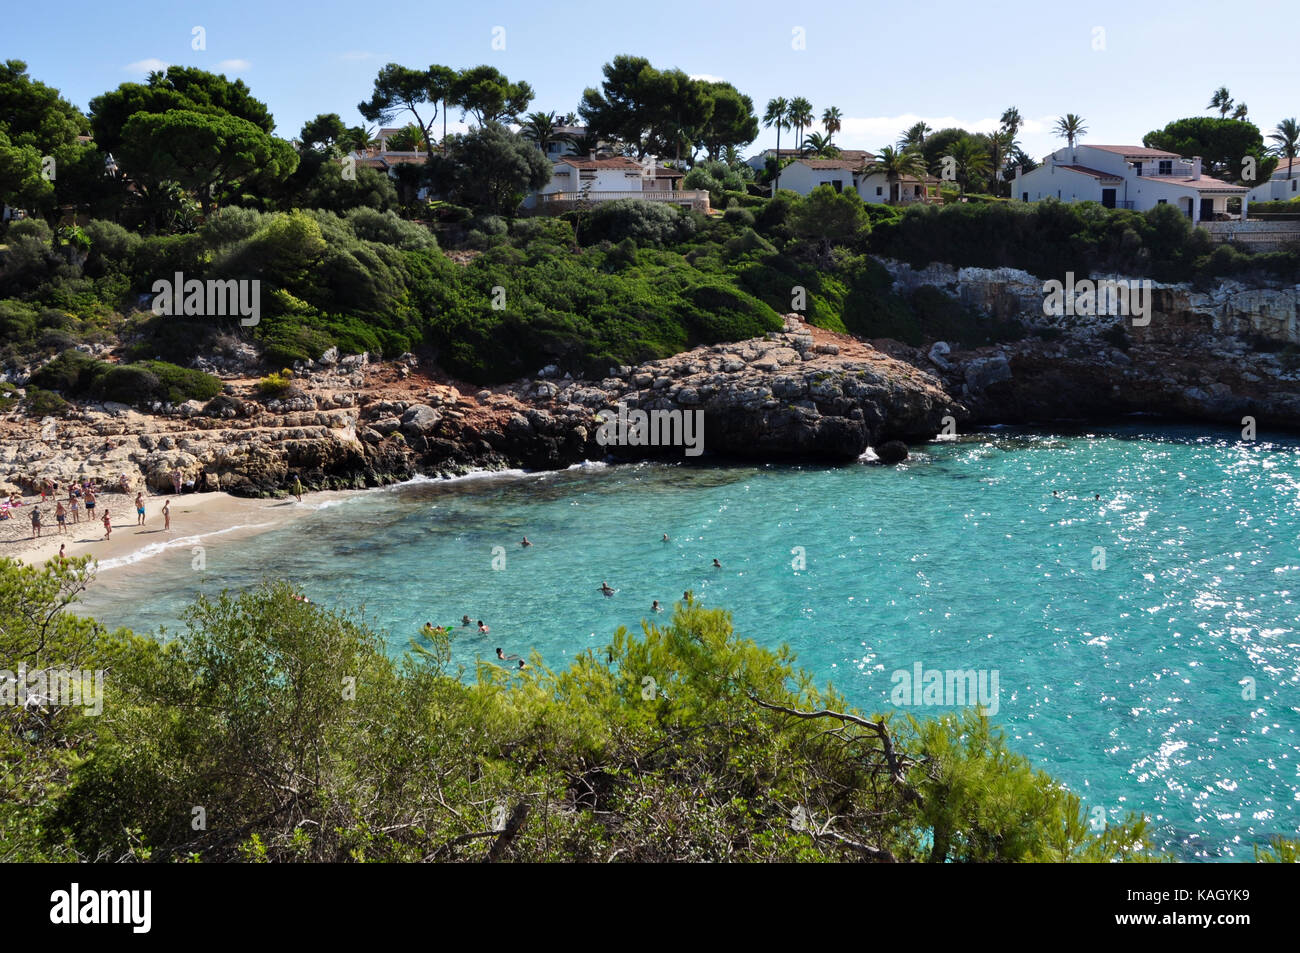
[(1162, 202), (1293, 185), (1166, 166), (880, 190), (1024, 196)]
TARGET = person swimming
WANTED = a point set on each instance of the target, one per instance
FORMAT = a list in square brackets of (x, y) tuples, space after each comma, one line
[(656, 607), (522, 665), (604, 588), (716, 564), (507, 658), (525, 542), (665, 537), (483, 628), (465, 620)]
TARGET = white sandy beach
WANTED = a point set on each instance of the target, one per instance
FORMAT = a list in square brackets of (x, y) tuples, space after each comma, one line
[(194, 517)]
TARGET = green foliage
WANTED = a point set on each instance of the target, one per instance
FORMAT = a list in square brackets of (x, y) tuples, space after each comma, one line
[(77, 374), (681, 742), (274, 385), (1222, 144), (490, 169), (44, 403), (646, 223)]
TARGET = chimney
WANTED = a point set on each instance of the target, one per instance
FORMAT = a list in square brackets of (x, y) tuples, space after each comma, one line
[(1196, 167)]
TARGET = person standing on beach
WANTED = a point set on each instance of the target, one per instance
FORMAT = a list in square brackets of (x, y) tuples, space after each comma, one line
[(108, 525), (62, 558), (176, 481), (61, 517), (139, 509), (36, 522), (167, 515), (90, 501), (297, 488), (74, 505)]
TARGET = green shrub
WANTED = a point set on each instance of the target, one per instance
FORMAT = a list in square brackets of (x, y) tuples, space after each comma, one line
[(273, 385), (740, 217), (647, 223), (44, 403)]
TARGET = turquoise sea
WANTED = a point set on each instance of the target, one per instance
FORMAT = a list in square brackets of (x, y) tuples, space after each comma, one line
[(1167, 682)]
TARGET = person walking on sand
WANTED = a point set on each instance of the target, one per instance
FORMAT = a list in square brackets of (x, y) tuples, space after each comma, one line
[(167, 515), (61, 517), (36, 522), (176, 481), (74, 505), (297, 488), (108, 525), (139, 509)]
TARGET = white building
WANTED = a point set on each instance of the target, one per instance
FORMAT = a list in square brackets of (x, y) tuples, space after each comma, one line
[(1282, 186), (1131, 177), (618, 177), (841, 174)]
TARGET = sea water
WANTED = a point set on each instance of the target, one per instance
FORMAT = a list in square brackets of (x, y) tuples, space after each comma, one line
[(1136, 592)]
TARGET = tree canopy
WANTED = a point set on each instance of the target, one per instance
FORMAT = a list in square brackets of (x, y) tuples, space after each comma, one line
[(1221, 143)]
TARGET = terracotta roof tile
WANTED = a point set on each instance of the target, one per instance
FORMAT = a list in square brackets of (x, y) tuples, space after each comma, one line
[(1135, 152), (1095, 173)]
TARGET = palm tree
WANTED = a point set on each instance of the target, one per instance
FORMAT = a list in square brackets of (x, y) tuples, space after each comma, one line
[(1286, 135), (914, 138), (897, 164), (1017, 158), (1240, 112), (1221, 100), (409, 138), (543, 129), (831, 121), (1012, 121), (1000, 145), (817, 145), (1070, 127), (777, 114), (358, 138), (801, 117), (586, 145), (972, 160)]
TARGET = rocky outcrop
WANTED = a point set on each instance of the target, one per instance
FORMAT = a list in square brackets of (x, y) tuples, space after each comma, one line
[(801, 392), (1218, 354)]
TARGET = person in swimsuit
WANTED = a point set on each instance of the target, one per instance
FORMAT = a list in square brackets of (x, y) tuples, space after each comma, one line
[(483, 628), (167, 514), (36, 522), (506, 658), (108, 525), (716, 564), (61, 516), (465, 620), (74, 504), (139, 509), (525, 542), (665, 537), (297, 488), (90, 502), (605, 589), (62, 558), (656, 607)]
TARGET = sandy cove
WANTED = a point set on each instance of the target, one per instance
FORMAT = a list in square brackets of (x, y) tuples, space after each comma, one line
[(195, 519)]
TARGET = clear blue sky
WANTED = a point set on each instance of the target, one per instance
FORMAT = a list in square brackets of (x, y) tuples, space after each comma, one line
[(883, 65)]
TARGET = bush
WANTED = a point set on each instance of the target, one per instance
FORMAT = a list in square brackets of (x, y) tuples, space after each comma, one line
[(76, 374), (647, 223), (273, 385), (44, 403), (738, 216)]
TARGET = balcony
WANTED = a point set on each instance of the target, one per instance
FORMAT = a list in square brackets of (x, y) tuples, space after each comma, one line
[(1177, 170)]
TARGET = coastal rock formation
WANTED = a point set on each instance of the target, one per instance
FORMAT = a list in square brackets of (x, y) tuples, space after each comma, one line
[(801, 392), (1217, 354), (798, 393)]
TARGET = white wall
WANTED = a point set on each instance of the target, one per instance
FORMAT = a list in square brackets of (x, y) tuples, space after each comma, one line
[(799, 177)]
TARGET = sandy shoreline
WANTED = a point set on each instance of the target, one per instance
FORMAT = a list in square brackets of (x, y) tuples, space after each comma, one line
[(194, 516)]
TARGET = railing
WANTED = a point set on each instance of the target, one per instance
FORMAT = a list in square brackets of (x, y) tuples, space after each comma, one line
[(1127, 205), (649, 195)]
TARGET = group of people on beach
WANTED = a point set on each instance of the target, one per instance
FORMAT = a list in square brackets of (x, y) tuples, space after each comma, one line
[(84, 495)]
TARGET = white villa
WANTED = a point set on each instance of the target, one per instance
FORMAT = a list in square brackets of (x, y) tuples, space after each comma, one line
[(1131, 177), (848, 171), (1282, 186), (618, 177)]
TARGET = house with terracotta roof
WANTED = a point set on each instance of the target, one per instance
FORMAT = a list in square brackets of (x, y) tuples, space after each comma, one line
[(804, 175), (1282, 186), (593, 179), (759, 162), (1132, 177)]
